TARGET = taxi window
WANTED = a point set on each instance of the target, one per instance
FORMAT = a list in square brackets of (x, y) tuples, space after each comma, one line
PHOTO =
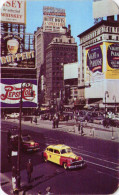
[(50, 150), (56, 151), (63, 151)]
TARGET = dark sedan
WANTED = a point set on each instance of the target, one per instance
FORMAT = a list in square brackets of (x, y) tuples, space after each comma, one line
[(27, 143)]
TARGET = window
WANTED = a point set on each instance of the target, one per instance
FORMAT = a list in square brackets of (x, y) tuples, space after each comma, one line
[(50, 150), (117, 38), (110, 37), (56, 151)]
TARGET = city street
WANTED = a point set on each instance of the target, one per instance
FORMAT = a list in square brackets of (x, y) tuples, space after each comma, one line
[(100, 176)]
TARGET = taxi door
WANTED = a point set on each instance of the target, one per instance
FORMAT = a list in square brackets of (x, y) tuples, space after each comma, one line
[(56, 157)]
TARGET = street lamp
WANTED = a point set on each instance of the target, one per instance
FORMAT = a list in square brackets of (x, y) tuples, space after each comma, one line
[(114, 98), (23, 87), (106, 95)]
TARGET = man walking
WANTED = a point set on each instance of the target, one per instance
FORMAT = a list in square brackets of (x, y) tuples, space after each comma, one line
[(29, 170)]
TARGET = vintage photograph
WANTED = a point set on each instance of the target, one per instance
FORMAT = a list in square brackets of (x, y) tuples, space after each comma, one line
[(59, 97)]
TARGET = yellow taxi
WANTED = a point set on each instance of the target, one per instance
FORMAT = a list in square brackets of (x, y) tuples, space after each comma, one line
[(63, 155)]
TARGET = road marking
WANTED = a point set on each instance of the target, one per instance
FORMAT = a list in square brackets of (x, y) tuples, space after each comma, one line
[(96, 157), (102, 166)]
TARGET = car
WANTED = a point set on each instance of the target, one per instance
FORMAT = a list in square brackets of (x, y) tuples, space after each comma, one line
[(98, 120), (45, 116), (63, 155), (27, 143), (12, 115)]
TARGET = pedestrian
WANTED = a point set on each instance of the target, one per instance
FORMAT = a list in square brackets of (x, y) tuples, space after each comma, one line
[(48, 190), (9, 152), (36, 120), (54, 121), (8, 136), (81, 129), (57, 120), (29, 169), (14, 175)]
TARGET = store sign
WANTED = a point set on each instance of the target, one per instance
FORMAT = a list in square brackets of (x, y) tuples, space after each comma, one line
[(113, 56), (11, 93), (14, 11), (94, 59)]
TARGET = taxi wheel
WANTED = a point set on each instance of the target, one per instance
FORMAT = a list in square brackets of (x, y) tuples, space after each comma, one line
[(65, 166), (45, 160)]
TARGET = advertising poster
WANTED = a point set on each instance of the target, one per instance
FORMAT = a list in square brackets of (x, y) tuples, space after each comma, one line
[(13, 11), (94, 63), (11, 93), (112, 61)]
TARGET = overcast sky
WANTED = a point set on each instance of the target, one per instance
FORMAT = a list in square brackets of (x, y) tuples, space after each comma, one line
[(79, 14)]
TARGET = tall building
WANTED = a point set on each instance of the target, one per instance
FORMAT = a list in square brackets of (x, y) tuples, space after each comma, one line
[(17, 60), (54, 25), (60, 51), (99, 60)]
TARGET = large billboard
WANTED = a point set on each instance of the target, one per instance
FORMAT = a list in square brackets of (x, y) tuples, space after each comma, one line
[(14, 52), (102, 61), (94, 63), (53, 19), (112, 61), (14, 11), (11, 93)]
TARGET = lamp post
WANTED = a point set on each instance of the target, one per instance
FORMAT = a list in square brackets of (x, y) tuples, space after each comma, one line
[(114, 98), (23, 87), (106, 95)]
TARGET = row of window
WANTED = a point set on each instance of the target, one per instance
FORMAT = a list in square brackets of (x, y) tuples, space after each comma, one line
[(65, 48), (100, 31)]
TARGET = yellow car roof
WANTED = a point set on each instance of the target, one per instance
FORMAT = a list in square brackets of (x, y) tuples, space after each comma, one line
[(58, 147)]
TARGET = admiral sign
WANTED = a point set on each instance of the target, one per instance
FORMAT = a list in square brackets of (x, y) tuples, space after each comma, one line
[(14, 11), (53, 19), (11, 93), (53, 11)]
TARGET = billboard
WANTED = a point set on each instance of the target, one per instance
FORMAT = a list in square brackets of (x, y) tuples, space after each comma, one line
[(13, 52), (53, 19), (94, 63), (14, 11), (112, 60), (53, 11), (11, 93), (71, 71)]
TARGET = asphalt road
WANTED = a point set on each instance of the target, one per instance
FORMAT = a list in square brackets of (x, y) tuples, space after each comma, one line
[(99, 177)]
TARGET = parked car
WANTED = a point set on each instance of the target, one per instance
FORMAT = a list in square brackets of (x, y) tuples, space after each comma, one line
[(110, 122), (63, 155), (27, 143), (45, 116), (12, 115), (98, 120)]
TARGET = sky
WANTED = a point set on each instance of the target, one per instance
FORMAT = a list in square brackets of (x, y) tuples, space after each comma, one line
[(79, 14)]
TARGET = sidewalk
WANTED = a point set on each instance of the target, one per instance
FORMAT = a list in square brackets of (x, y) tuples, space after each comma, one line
[(89, 129)]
